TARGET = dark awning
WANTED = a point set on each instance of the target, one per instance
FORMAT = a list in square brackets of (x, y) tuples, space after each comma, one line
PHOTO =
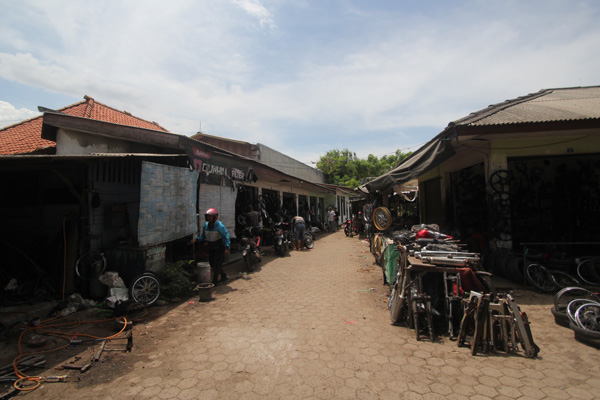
[(427, 157)]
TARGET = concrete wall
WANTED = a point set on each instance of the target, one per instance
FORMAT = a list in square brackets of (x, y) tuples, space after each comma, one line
[(288, 165), (76, 143)]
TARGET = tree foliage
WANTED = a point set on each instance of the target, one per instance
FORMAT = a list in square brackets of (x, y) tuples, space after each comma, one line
[(344, 168)]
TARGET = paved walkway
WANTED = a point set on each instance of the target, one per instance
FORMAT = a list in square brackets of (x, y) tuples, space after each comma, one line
[(307, 327)]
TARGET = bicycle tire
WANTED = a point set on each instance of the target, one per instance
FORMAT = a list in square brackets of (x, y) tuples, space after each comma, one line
[(563, 280), (395, 303), (87, 261), (560, 318), (393, 290), (145, 289), (539, 277), (588, 271), (584, 336)]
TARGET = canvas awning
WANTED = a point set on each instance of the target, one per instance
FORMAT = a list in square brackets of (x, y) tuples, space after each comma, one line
[(432, 154)]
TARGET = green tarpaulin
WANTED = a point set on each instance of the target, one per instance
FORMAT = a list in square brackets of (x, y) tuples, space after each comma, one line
[(390, 263)]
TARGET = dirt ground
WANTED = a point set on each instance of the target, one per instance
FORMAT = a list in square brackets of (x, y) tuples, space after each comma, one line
[(56, 349)]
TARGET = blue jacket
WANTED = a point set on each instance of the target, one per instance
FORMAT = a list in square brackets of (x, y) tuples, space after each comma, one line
[(217, 232)]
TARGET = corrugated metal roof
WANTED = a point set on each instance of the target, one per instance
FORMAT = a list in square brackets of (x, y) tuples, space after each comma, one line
[(548, 105)]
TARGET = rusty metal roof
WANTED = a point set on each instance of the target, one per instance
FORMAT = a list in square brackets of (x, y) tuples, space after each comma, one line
[(547, 105)]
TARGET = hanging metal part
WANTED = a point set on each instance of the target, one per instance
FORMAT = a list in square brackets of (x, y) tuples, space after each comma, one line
[(460, 262), (448, 254)]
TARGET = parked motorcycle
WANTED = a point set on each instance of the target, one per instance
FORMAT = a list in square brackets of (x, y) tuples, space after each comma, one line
[(251, 243), (282, 238), (349, 228)]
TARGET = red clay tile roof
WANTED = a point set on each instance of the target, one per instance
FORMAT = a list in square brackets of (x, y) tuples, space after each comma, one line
[(25, 137)]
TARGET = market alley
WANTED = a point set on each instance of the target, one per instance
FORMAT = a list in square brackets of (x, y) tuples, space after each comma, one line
[(315, 324)]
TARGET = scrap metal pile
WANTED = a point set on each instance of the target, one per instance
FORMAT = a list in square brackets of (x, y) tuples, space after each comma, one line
[(56, 334), (495, 325), (440, 288)]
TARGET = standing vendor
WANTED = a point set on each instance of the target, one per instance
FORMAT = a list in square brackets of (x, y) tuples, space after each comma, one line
[(331, 217), (299, 228), (217, 237), (253, 220)]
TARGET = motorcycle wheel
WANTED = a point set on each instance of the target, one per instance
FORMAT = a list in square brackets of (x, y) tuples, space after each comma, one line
[(308, 242), (280, 250), (249, 263)]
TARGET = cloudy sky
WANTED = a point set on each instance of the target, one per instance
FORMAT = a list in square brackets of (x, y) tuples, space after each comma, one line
[(300, 76)]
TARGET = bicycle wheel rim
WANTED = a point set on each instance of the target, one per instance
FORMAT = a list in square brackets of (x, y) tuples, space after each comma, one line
[(563, 279), (587, 317), (563, 297), (145, 289), (574, 306), (539, 277), (90, 265), (588, 271)]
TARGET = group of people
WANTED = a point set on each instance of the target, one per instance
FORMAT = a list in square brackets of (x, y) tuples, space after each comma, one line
[(216, 236)]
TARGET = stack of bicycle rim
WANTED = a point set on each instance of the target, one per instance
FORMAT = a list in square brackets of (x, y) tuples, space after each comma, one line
[(579, 309)]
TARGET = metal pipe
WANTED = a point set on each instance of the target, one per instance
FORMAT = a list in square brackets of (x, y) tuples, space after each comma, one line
[(450, 254)]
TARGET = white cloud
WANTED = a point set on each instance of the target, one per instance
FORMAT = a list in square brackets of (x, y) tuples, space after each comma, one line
[(329, 76), (9, 115), (258, 11)]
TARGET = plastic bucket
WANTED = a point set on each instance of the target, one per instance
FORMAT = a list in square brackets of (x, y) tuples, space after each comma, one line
[(205, 291)]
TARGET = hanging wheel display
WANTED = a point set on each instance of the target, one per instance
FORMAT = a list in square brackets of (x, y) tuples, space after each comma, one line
[(382, 218), (501, 181)]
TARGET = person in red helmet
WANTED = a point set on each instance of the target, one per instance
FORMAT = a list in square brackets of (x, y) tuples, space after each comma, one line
[(215, 233)]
